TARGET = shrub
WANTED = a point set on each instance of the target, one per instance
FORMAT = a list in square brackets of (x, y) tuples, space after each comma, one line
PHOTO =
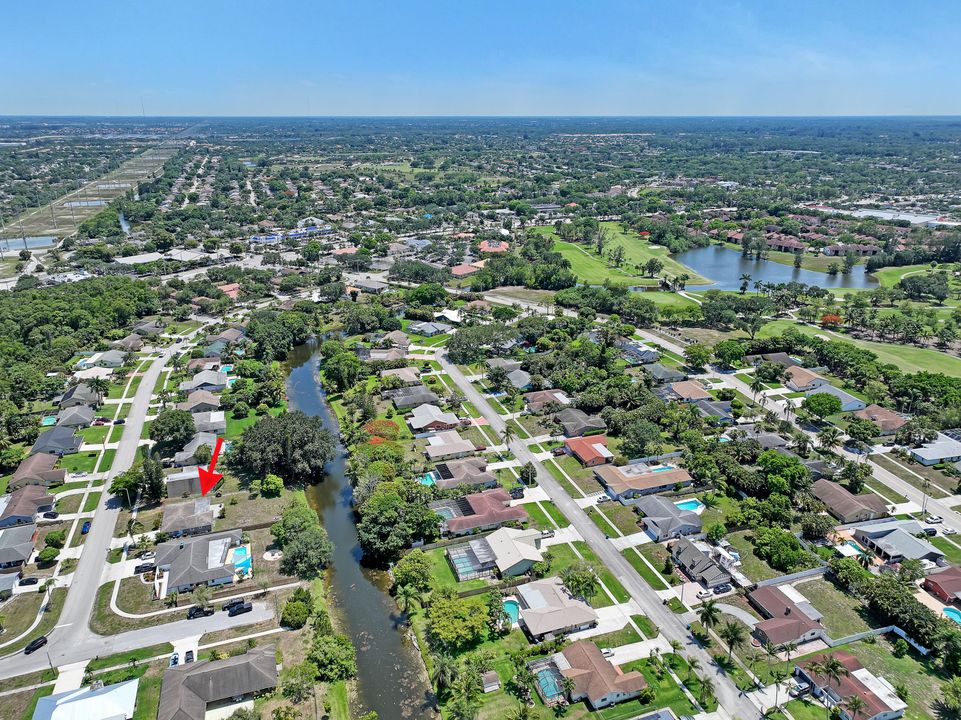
[(294, 615), (55, 539)]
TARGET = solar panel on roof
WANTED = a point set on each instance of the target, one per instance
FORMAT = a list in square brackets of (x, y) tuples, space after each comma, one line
[(445, 472)]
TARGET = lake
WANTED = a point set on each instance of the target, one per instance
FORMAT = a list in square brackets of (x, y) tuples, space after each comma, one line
[(724, 267)]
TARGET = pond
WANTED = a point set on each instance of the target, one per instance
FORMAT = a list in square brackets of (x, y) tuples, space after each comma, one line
[(724, 266), (390, 673)]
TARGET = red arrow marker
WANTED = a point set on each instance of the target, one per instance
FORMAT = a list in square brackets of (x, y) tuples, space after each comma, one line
[(209, 478)]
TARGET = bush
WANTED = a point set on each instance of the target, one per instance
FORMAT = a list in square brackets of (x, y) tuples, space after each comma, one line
[(294, 615), (271, 486), (48, 556), (55, 539), (241, 410)]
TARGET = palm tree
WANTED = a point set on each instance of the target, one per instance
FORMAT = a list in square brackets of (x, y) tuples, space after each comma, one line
[(99, 385), (709, 614), (406, 595), (731, 633), (675, 648), (778, 675), (520, 712), (829, 438), (567, 684), (855, 704), (757, 385), (693, 665), (133, 526), (706, 690), (509, 434), (445, 671), (201, 596)]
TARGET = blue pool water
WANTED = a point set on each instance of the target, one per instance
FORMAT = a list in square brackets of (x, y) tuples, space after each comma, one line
[(445, 512), (855, 546), (663, 468), (227, 368), (48, 421), (242, 560), (427, 479), (550, 685), (693, 505), (954, 614), (513, 609)]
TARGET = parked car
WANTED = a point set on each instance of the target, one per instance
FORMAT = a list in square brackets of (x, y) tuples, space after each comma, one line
[(722, 588), (557, 451), (144, 568), (198, 612), (180, 340), (704, 594), (798, 688), (930, 532), (28, 581), (607, 652), (120, 421), (85, 528), (240, 609), (51, 515), (603, 499), (949, 531), (935, 519), (149, 555), (188, 657), (35, 645), (547, 533), (174, 659), (229, 605)]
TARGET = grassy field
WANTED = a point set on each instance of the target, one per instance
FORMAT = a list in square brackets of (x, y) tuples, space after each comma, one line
[(844, 614)]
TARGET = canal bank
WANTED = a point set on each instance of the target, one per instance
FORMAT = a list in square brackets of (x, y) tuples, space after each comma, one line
[(390, 672)]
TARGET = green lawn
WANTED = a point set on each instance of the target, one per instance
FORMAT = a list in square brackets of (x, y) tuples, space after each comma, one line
[(752, 566), (951, 551), (843, 613), (93, 499), (95, 435), (101, 663), (106, 462), (79, 462), (442, 576)]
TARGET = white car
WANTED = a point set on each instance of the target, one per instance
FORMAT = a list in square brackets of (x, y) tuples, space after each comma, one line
[(607, 652), (705, 594), (935, 519), (949, 531)]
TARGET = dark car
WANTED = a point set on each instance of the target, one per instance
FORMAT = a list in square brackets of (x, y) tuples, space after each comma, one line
[(722, 588), (29, 581), (188, 657), (240, 609), (120, 421), (144, 568), (51, 515), (198, 612), (85, 528), (557, 451), (230, 604), (180, 340), (35, 645), (930, 532)]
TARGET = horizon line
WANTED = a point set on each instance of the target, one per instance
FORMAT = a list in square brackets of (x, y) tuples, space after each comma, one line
[(487, 117)]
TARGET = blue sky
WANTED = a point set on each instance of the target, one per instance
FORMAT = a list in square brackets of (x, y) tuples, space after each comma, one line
[(460, 57)]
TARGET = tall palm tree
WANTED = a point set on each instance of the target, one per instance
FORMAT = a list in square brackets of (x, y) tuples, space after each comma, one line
[(757, 385), (732, 633), (406, 596), (675, 648), (778, 675), (709, 614), (445, 671), (706, 691), (99, 385), (788, 649), (829, 438), (567, 685), (509, 434), (693, 665), (855, 704), (520, 712)]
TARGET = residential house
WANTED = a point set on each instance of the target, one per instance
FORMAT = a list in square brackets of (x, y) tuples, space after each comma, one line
[(880, 699), (203, 363), (231, 290), (210, 422), (801, 379), (371, 287), (767, 440), (130, 343), (697, 564), (626, 482), (847, 507), (200, 401), (425, 418), (506, 552), (716, 412), (79, 394), (429, 329), (477, 512), (22, 506), (448, 445), (216, 349), (858, 249), (189, 689), (111, 359), (664, 520), (506, 363), (778, 358), (39, 470), (520, 379), (76, 416), (16, 546), (386, 354), (946, 447), (888, 421), (577, 422), (209, 380), (147, 328), (896, 540), (493, 247), (187, 456), (463, 270), (591, 451), (689, 391), (407, 375), (8, 581), (945, 585), (636, 353), (849, 403), (470, 471), (193, 517), (93, 702), (548, 610), (786, 621), (451, 315), (596, 680), (396, 338), (408, 398), (201, 560), (662, 373), (542, 399), (57, 441), (183, 482)]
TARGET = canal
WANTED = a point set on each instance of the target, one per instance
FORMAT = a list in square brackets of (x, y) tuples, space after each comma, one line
[(390, 673), (724, 267)]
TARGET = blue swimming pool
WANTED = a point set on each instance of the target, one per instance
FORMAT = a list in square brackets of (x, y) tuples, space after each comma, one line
[(242, 560), (427, 479), (513, 609), (48, 421), (445, 512), (550, 684), (694, 505), (227, 368), (954, 614)]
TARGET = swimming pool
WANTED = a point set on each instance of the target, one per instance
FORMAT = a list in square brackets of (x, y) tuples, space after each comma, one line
[(445, 512), (226, 368), (48, 421), (242, 560), (694, 505), (427, 479), (662, 468), (513, 609), (550, 684), (855, 546), (954, 614)]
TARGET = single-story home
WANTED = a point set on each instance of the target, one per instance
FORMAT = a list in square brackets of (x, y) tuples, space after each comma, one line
[(847, 507), (689, 391), (39, 469), (430, 417), (880, 699), (896, 540), (778, 358), (801, 379), (508, 365), (407, 375), (189, 689), (786, 620), (130, 343), (407, 398), (849, 403), (470, 471), (57, 441), (548, 610), (200, 401), (111, 358), (506, 552), (945, 585), (16, 546), (946, 447), (448, 445), (396, 338), (596, 680), (520, 379), (477, 512), (201, 560), (184, 481), (591, 451), (79, 394), (210, 380), (577, 422), (192, 517), (664, 520), (662, 373), (21, 506), (186, 456), (429, 329), (888, 421), (213, 421), (75, 416), (93, 702), (697, 564), (541, 399), (390, 354), (716, 412), (626, 482), (146, 328)]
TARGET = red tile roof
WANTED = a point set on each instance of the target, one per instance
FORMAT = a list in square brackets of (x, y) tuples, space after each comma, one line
[(585, 448)]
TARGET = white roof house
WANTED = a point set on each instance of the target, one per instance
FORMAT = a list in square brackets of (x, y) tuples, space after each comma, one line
[(109, 702), (431, 416), (511, 547), (943, 448)]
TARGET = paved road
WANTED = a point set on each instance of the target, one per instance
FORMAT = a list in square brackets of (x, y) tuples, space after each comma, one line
[(72, 640), (669, 624)]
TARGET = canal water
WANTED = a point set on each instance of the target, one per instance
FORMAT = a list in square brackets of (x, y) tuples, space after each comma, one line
[(390, 674), (724, 267)]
